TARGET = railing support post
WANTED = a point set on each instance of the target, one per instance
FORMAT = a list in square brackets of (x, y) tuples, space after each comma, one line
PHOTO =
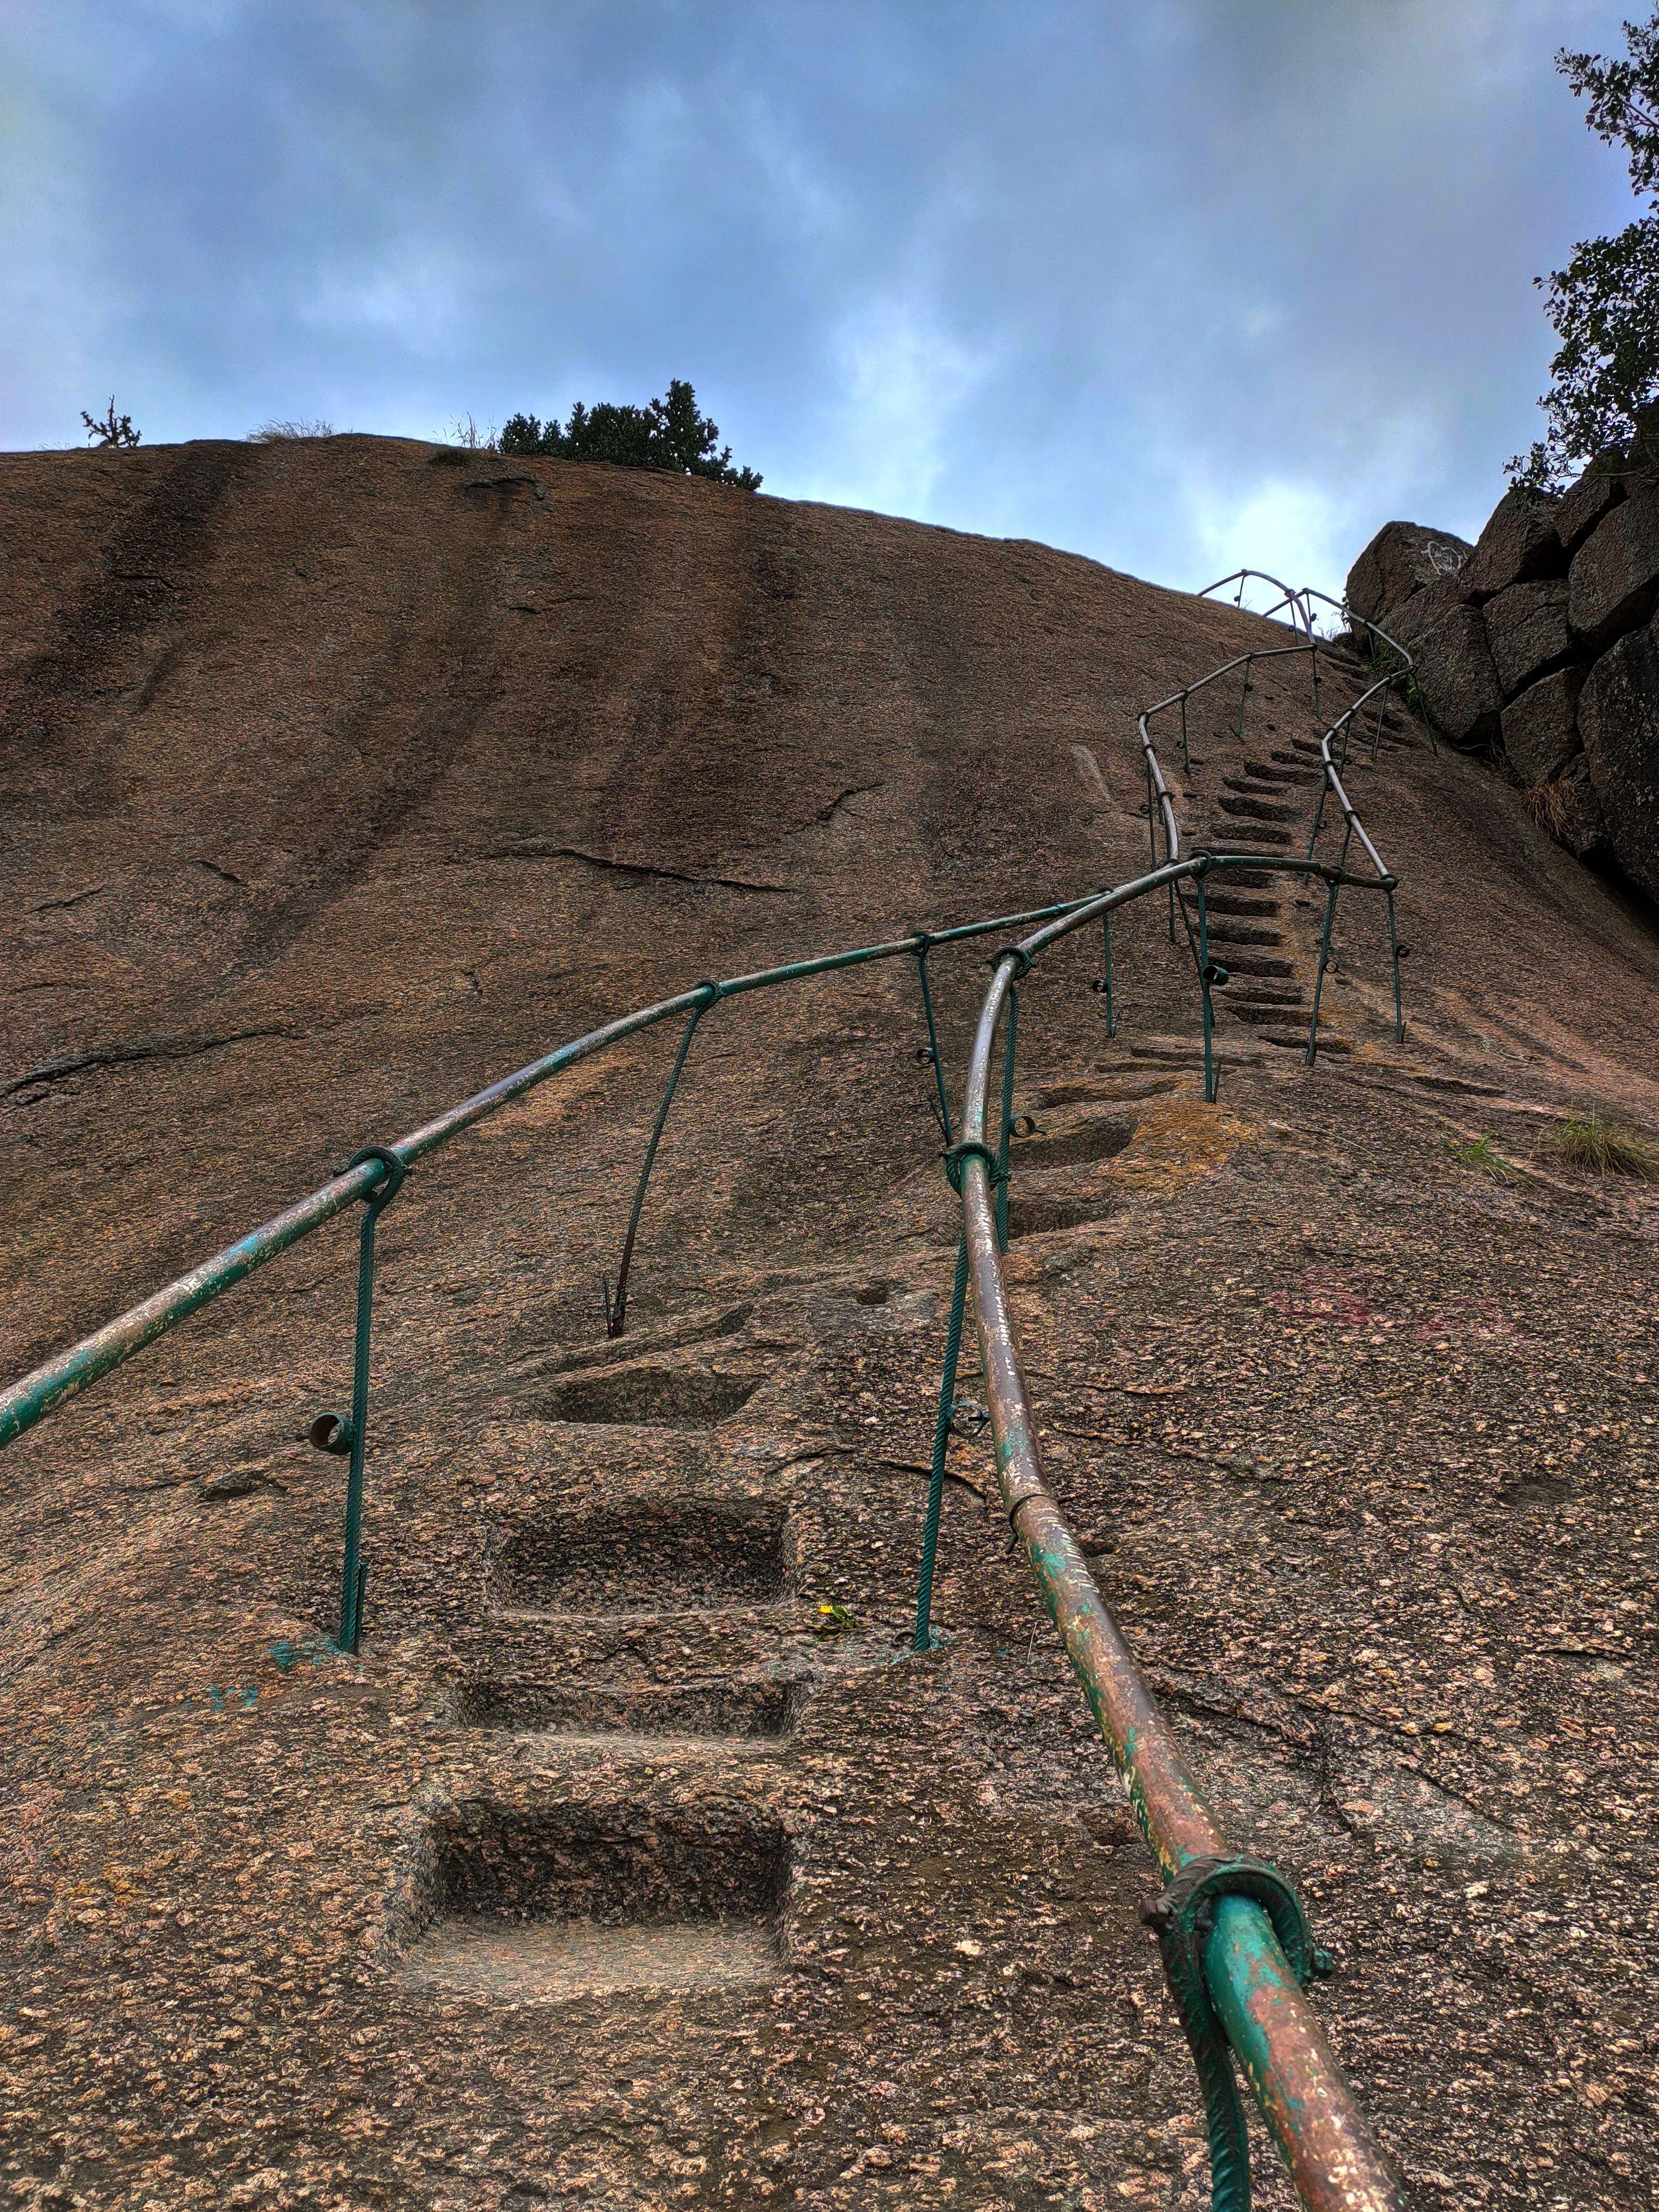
[(924, 946), (616, 1309), (923, 1639), (328, 1432), (1318, 974)]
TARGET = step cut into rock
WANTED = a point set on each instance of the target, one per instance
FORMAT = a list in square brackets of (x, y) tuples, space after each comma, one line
[(641, 1557)]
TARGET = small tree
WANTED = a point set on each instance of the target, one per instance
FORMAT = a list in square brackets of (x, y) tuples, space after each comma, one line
[(1604, 304), (667, 435), (113, 430)]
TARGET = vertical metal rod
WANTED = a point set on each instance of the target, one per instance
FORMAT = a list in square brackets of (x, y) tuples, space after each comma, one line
[(1376, 734), (924, 946), (351, 1570), (1319, 978), (1007, 1121), (923, 1639), (1204, 986), (1244, 697), (615, 1311), (1319, 817), (1313, 644), (1394, 954), (1111, 999), (1186, 757)]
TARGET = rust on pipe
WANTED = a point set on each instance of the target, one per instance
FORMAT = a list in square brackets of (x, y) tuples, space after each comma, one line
[(1333, 2158)]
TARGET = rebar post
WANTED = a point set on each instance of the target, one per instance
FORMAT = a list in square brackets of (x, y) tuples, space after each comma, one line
[(616, 1309), (924, 946), (1319, 975), (923, 1639), (352, 1569)]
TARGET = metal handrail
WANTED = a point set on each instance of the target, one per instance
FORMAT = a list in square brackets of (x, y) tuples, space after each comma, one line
[(1253, 1986), (1255, 1991), (69, 1372), (1160, 802)]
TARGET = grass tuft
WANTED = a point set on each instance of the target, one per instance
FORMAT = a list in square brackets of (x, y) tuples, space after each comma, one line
[(271, 434), (1589, 1140), (1478, 1152)]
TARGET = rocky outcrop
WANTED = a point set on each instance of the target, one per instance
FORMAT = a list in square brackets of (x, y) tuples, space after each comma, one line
[(1540, 727), (1537, 647), (1614, 578), (1518, 545), (1619, 721), (1455, 674), (1402, 559)]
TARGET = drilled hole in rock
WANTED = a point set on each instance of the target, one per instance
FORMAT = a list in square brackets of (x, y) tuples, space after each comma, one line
[(872, 1294), (1035, 1216), (1100, 1137), (757, 1712), (639, 1557), (586, 1900), (673, 1396)]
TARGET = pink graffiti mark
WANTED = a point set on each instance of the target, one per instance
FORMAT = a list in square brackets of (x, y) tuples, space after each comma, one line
[(1329, 1296), (1461, 1316)]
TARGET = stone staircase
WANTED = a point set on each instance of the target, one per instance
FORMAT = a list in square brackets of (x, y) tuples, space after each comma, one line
[(1264, 929)]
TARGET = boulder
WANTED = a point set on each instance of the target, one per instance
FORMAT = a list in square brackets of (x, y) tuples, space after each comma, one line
[(1454, 675), (1400, 560), (1575, 816), (1518, 545), (1588, 502), (1618, 721), (1613, 580), (1526, 629), (1414, 618), (1540, 727)]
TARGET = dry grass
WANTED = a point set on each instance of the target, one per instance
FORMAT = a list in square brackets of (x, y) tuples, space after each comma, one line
[(1590, 1141), (1549, 805), (268, 434), (1477, 1152)]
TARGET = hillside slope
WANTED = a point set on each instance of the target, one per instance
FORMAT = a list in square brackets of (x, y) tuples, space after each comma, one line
[(342, 777)]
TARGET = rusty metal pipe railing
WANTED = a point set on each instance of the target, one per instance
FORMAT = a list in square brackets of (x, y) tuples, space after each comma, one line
[(1298, 2082)]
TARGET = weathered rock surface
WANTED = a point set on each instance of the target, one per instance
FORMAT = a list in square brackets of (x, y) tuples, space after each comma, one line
[(1618, 721), (1541, 726), (1402, 559), (1576, 815), (1518, 545), (1453, 667), (1583, 505), (1613, 580), (338, 782), (1526, 632)]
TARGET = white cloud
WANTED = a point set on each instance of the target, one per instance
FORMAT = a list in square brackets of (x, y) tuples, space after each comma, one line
[(901, 383)]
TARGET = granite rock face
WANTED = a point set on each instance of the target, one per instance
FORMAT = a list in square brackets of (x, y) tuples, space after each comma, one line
[(1400, 560), (1453, 666), (1526, 630), (1518, 545), (1619, 721), (1614, 578), (1577, 820), (1541, 726), (1586, 505)]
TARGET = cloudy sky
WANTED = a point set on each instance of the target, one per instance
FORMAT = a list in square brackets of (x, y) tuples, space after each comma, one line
[(1178, 283)]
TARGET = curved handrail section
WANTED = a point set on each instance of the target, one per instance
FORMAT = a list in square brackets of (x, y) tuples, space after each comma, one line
[(71, 1371), (1251, 1989)]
